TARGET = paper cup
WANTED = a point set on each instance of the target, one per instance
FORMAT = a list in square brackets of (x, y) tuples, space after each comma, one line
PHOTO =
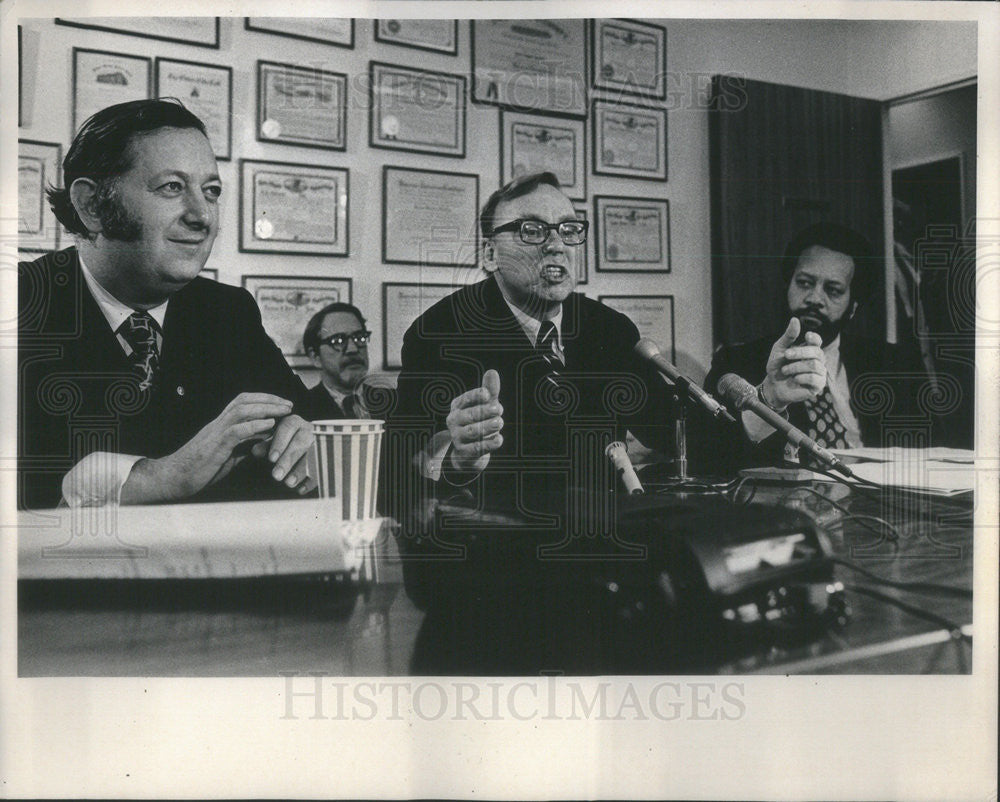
[(348, 458)]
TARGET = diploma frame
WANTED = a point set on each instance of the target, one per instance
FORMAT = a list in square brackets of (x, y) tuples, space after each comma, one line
[(571, 61), (223, 141), (307, 294), (576, 189), (267, 25), (338, 138), (583, 268), (603, 77), (603, 164), (663, 337), (450, 237), (390, 311), (383, 33), (140, 63), (609, 260), (379, 122), (49, 157), (155, 28), (251, 243)]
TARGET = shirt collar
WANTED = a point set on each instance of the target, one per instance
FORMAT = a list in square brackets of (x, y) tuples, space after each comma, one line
[(530, 325), (114, 310), (831, 352)]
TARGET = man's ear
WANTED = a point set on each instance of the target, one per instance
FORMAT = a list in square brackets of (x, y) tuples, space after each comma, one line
[(489, 257), (83, 195), (852, 310)]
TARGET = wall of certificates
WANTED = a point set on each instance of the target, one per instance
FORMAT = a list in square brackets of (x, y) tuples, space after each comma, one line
[(355, 153)]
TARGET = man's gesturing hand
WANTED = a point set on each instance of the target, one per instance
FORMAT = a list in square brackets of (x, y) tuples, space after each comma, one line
[(474, 424), (211, 454), (794, 372)]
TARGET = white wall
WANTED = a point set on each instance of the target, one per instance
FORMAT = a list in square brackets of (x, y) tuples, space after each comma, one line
[(875, 60)]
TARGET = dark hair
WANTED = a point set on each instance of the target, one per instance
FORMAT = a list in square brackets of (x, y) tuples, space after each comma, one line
[(521, 185), (839, 238), (101, 150), (310, 337)]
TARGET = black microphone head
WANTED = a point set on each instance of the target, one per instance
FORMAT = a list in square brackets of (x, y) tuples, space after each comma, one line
[(736, 391)]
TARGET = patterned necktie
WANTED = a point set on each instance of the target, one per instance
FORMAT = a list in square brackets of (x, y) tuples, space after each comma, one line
[(139, 331), (824, 423), (545, 347), (353, 408)]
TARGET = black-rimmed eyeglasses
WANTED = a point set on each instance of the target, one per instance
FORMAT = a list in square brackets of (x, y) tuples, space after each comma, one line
[(338, 342), (535, 232)]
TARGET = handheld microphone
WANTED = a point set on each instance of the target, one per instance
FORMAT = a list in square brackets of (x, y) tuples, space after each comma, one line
[(649, 351), (742, 395), (619, 458)]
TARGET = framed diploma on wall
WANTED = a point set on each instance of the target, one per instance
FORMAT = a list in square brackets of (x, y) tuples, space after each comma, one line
[(401, 305), (629, 141), (530, 143), (437, 35), (207, 91), (633, 234), (38, 165), (337, 31), (301, 106), (102, 78), (293, 208), (200, 31), (653, 315), (583, 262), (429, 217), (286, 304), (630, 57), (531, 64), (416, 110)]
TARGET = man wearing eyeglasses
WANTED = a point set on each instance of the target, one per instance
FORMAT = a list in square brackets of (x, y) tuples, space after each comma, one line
[(510, 390), (336, 340)]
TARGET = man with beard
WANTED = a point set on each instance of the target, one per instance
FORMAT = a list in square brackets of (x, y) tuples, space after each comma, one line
[(138, 381), (807, 374), (336, 340)]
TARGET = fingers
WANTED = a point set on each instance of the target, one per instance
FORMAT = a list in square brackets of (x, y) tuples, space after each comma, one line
[(471, 398), (804, 366), (293, 437), (491, 383), (791, 334)]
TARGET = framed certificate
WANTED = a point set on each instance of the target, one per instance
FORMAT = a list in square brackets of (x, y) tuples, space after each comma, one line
[(286, 304), (326, 30), (530, 143), (417, 110), (38, 165), (438, 35), (301, 106), (531, 64), (630, 141), (200, 31), (429, 217), (293, 208), (207, 90), (653, 315), (583, 262), (630, 57), (401, 305), (101, 79), (633, 234)]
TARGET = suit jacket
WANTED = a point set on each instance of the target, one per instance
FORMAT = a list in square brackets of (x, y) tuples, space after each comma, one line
[(884, 381), (77, 393), (321, 404)]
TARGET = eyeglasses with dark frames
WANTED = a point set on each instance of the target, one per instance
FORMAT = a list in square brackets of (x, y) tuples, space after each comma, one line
[(535, 232), (338, 342)]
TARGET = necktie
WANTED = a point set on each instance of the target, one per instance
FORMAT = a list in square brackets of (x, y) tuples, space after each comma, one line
[(139, 331), (824, 424), (545, 347), (353, 408)]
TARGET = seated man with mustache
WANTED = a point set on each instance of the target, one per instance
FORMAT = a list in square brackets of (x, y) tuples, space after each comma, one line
[(816, 370), (336, 340)]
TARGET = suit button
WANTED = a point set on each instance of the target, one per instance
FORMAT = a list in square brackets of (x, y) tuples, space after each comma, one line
[(180, 390)]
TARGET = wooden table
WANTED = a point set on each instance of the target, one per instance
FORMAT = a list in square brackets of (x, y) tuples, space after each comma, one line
[(334, 627)]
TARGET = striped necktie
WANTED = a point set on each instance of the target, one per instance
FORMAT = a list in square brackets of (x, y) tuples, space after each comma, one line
[(545, 347), (139, 331)]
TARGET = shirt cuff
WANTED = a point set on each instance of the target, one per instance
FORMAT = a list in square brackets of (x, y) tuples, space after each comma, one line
[(97, 479), (432, 462)]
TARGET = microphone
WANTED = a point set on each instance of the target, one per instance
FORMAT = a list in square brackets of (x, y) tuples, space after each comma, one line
[(649, 351), (619, 458), (741, 395)]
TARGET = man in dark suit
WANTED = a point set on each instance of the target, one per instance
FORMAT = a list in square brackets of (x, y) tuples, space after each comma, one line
[(509, 393), (828, 382), (336, 340), (138, 381)]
